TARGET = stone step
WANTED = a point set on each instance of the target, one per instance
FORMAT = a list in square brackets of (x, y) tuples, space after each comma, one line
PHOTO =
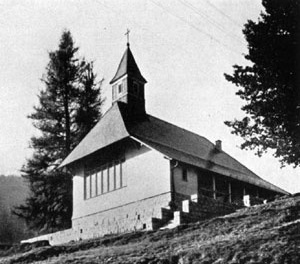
[(167, 214), (157, 223), (194, 209), (172, 224)]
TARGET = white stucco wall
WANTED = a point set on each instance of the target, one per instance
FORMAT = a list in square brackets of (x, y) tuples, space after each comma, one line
[(147, 174), (188, 187)]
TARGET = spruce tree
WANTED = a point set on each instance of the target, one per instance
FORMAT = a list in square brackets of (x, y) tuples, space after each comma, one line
[(69, 106), (87, 114), (270, 84)]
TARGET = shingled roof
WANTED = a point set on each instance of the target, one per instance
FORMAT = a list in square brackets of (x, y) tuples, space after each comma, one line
[(190, 148), (168, 139), (128, 66), (108, 130)]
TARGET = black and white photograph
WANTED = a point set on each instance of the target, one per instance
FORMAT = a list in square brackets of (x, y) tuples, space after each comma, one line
[(150, 131)]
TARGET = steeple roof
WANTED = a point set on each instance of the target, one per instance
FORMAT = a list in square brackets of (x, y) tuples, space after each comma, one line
[(128, 66)]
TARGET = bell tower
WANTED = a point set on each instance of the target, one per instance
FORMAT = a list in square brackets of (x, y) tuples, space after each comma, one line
[(128, 85)]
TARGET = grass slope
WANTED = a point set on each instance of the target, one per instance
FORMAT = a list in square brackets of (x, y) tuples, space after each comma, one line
[(263, 234)]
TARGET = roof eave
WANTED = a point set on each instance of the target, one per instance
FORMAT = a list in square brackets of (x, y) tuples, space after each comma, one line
[(220, 169), (140, 78)]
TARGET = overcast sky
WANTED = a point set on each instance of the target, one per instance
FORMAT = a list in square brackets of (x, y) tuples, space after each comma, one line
[(182, 47)]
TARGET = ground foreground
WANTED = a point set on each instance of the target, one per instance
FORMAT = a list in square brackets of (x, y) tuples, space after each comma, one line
[(266, 234)]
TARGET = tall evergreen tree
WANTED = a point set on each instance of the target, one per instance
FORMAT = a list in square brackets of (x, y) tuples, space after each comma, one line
[(69, 106), (270, 84), (87, 114)]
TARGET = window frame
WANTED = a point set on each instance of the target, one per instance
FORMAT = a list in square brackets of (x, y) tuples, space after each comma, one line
[(120, 88), (103, 172)]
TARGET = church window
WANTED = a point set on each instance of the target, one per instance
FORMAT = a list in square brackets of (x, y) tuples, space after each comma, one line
[(99, 183), (105, 179), (111, 176), (123, 178), (184, 174), (114, 176), (93, 185), (88, 187), (118, 175), (120, 88)]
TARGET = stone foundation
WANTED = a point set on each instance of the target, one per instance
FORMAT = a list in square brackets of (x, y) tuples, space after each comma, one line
[(130, 217), (147, 214), (134, 216), (56, 238)]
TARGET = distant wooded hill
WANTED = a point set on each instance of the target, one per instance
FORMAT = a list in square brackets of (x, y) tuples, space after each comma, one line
[(13, 191)]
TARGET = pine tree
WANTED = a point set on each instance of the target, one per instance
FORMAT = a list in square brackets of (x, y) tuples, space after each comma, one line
[(88, 112), (270, 84), (69, 106)]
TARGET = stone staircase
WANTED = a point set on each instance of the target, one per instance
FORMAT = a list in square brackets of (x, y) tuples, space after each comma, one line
[(194, 209), (166, 216)]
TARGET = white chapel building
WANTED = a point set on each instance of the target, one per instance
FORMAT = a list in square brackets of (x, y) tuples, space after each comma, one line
[(134, 171)]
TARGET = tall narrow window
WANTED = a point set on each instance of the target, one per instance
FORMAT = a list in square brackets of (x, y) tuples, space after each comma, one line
[(123, 177), (99, 182), (87, 187), (111, 177), (118, 175), (120, 88), (102, 190), (105, 182), (93, 185), (115, 181), (184, 174)]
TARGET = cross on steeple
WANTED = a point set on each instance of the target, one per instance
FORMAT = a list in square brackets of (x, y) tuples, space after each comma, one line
[(127, 33)]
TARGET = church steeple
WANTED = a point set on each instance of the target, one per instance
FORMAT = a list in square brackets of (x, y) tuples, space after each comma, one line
[(128, 84)]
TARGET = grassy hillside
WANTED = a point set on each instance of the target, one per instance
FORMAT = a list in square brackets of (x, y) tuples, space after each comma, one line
[(266, 234), (13, 191)]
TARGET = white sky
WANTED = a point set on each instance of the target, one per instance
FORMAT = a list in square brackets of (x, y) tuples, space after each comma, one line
[(182, 47)]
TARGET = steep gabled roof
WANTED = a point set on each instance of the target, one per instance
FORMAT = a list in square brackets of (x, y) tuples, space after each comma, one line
[(170, 140), (109, 129), (128, 66)]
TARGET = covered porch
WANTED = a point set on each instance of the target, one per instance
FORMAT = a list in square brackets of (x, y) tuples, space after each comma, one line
[(188, 180)]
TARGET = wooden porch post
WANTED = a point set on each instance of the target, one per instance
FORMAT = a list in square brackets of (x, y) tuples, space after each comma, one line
[(229, 190), (214, 187)]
